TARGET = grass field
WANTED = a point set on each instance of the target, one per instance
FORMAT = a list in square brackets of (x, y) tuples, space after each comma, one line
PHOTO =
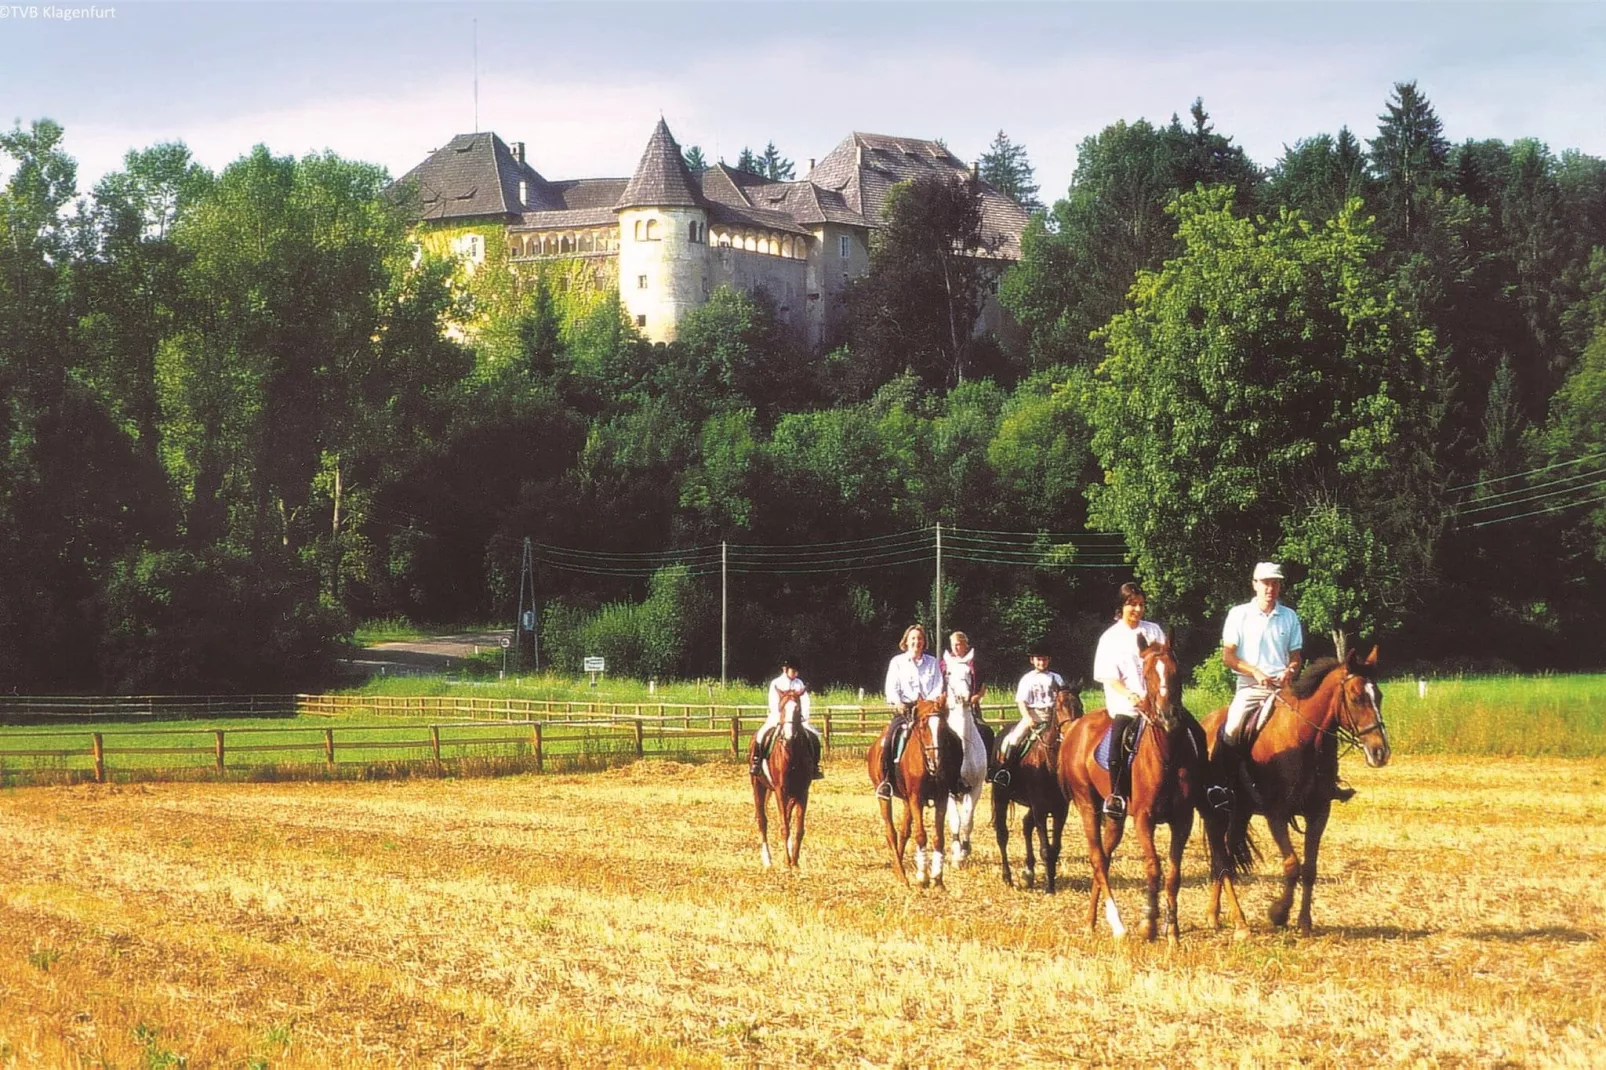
[(622, 918)]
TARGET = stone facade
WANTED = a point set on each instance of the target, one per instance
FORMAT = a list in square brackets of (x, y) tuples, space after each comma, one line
[(670, 237)]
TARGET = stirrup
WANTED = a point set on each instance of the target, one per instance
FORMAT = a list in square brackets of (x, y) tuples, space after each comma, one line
[(1001, 778), (1218, 797), (884, 790), (1114, 806), (1342, 792), (819, 774)]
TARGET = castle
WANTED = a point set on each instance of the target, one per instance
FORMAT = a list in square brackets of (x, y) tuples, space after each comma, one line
[(668, 237)]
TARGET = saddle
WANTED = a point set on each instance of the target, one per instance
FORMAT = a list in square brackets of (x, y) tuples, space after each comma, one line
[(1134, 732)]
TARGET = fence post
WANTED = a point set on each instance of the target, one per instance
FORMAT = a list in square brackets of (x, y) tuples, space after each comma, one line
[(641, 750), (100, 759), (329, 748), (435, 744), (219, 735), (736, 735), (827, 738), (535, 741)]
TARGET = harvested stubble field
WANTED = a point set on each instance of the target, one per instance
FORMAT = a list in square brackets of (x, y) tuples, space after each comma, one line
[(622, 917)]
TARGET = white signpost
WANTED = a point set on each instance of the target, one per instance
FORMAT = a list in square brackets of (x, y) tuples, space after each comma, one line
[(595, 665)]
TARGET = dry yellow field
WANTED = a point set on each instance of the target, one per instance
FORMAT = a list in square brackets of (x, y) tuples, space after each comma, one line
[(623, 918)]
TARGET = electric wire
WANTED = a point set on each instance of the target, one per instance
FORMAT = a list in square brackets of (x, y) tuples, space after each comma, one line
[(1495, 500), (1539, 512), (1584, 487), (1529, 472)]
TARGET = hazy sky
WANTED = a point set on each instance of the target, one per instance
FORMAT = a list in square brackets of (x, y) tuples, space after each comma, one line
[(582, 85)]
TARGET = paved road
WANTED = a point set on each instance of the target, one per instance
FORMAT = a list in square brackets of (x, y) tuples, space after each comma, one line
[(418, 657)]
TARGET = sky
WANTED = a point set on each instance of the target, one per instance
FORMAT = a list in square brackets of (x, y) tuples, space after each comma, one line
[(583, 85)]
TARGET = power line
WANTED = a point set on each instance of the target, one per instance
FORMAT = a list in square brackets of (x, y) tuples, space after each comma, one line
[(1493, 500), (1529, 472), (1537, 512), (1540, 497)]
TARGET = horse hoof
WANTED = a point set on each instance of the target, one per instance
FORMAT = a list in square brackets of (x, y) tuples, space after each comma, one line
[(1240, 935), (1304, 928)]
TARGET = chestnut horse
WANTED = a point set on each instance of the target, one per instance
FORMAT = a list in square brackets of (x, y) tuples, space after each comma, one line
[(928, 772), (787, 773), (1293, 765), (1035, 785), (1168, 784)]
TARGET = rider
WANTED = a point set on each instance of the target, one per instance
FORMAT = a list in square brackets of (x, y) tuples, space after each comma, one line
[(1263, 643), (787, 683), (1118, 665), (911, 676), (1034, 696), (961, 674)]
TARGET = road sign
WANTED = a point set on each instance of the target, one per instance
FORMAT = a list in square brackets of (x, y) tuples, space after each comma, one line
[(529, 620), (507, 641), (596, 665)]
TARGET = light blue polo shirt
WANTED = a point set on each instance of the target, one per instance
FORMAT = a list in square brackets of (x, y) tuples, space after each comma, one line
[(1264, 640)]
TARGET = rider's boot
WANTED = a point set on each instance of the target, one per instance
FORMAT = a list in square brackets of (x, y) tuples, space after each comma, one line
[(819, 767), (884, 789), (754, 759)]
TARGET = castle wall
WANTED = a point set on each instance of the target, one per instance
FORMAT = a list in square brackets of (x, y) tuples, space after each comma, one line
[(785, 279), (661, 268), (830, 274)]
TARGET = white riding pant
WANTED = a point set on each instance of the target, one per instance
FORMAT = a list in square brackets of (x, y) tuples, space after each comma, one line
[(1024, 725), (1246, 702)]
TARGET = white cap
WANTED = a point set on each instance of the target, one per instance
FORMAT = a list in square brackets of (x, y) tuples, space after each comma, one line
[(1268, 570)]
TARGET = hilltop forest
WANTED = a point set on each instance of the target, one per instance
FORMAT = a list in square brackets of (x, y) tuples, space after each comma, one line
[(238, 419)]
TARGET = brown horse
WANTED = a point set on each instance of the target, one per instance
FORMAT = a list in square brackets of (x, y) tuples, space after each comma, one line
[(1167, 773), (927, 772), (1293, 766), (787, 773), (1035, 784)]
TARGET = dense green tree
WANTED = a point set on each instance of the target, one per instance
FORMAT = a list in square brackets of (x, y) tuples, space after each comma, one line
[(1006, 168), (1320, 175), (1410, 158), (696, 162), (1265, 395)]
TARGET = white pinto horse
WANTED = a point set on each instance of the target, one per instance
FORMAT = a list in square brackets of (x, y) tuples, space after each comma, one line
[(972, 774)]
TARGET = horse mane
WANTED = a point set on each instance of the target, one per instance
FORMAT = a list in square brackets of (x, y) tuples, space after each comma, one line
[(1311, 676)]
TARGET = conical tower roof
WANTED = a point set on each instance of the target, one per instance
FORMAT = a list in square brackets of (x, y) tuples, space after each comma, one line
[(661, 179)]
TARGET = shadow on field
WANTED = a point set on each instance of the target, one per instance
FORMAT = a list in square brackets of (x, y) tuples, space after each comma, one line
[(1377, 932), (1548, 932)]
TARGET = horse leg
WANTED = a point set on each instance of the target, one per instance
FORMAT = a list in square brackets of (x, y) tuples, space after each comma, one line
[(1181, 829), (939, 847), (802, 807), (1151, 872), (760, 806), (1056, 837), (1100, 863), (917, 812), (783, 807), (894, 844), (1028, 825), (1315, 825), (1285, 844), (1001, 830)]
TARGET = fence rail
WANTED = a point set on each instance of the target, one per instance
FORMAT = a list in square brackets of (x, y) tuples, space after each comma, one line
[(431, 729)]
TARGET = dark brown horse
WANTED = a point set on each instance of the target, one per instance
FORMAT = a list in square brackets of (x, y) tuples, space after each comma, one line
[(787, 774), (1293, 765), (927, 772), (1035, 785), (1168, 783)]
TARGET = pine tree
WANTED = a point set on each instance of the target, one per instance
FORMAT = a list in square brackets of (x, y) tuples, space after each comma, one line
[(696, 162), (773, 165), (1410, 156), (1005, 168)]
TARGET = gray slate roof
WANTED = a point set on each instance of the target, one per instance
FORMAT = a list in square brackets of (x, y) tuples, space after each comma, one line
[(475, 175), (661, 179)]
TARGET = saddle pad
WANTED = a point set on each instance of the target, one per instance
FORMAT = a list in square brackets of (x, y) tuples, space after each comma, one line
[(1101, 753)]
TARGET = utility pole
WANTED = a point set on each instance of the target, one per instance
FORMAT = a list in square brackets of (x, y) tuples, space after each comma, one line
[(724, 612), (527, 618), (938, 639)]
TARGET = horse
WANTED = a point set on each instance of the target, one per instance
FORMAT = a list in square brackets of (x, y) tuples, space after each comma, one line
[(1168, 774), (1293, 767), (927, 772), (787, 773), (1036, 786), (977, 739)]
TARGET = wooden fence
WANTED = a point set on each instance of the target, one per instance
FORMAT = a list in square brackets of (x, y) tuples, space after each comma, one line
[(424, 729)]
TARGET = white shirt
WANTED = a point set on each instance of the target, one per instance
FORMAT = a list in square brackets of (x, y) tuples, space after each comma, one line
[(960, 673), (1117, 660), (910, 681), (1036, 689), (1264, 640), (780, 686)]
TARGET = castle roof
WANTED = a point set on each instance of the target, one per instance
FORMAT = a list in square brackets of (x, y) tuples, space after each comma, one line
[(864, 167), (661, 179), (476, 175)]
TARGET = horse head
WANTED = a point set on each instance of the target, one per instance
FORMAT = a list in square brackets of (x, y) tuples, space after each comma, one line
[(1360, 712), (791, 705), (1162, 686)]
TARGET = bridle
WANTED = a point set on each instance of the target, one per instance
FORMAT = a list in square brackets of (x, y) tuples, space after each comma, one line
[(1352, 736)]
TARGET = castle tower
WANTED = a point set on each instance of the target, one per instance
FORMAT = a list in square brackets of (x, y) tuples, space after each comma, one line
[(663, 238)]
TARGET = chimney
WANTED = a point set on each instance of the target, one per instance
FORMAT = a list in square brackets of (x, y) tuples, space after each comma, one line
[(859, 160), (524, 193), (811, 163), (518, 151), (975, 171)]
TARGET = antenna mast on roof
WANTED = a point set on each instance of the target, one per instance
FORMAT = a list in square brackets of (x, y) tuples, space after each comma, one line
[(476, 76)]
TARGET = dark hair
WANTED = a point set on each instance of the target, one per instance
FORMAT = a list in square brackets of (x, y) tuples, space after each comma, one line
[(1129, 592), (791, 662)]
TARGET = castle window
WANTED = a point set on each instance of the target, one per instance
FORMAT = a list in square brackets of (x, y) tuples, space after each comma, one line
[(641, 321), (652, 230), (641, 282), (641, 234), (705, 286), (692, 232), (844, 246)]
